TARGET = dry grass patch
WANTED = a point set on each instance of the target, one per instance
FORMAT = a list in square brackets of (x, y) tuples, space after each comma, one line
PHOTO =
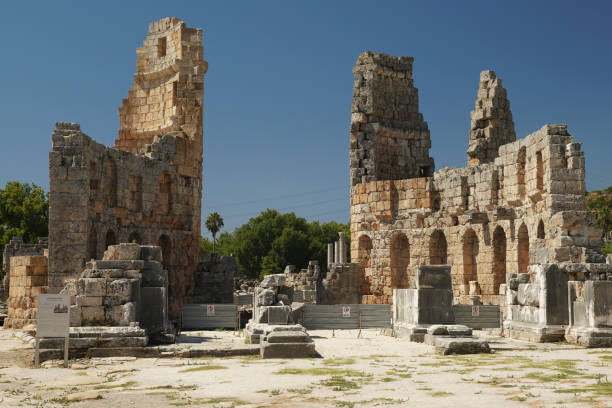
[(203, 368)]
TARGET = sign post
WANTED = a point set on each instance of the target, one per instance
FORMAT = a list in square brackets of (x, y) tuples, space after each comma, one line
[(210, 310), (53, 321)]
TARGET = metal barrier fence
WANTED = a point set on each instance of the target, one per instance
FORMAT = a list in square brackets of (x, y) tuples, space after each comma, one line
[(478, 317), (196, 316), (346, 316)]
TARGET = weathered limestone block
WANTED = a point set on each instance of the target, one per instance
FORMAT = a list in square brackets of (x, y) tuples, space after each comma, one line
[(273, 281), (122, 252), (264, 297)]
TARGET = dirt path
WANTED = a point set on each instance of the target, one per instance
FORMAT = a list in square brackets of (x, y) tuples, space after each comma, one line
[(355, 372)]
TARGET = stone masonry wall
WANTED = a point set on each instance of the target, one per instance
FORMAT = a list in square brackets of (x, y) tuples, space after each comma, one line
[(148, 188), (28, 280), (389, 138), (525, 207), (16, 247)]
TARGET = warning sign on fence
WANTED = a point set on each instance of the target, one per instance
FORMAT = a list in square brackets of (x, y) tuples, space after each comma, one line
[(475, 311), (346, 311), (210, 310)]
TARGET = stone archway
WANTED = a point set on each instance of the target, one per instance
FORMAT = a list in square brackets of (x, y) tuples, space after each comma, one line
[(541, 233), (499, 259), (470, 253), (400, 261), (364, 256), (111, 239), (134, 237), (92, 244), (166, 247), (438, 248), (523, 249)]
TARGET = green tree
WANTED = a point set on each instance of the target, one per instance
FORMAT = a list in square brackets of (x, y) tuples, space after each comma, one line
[(214, 223), (24, 212)]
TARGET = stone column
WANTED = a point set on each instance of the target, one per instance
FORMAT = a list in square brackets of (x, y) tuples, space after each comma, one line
[(337, 252), (342, 245), (330, 256)]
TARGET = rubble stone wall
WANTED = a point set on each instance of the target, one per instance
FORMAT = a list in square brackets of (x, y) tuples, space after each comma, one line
[(148, 189), (523, 205), (214, 279), (28, 280)]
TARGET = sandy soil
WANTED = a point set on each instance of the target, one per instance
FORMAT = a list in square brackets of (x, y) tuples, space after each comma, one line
[(372, 370)]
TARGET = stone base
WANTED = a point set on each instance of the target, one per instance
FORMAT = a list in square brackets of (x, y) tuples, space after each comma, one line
[(254, 332), (457, 345), (88, 341), (287, 350), (533, 332), (414, 333), (589, 336)]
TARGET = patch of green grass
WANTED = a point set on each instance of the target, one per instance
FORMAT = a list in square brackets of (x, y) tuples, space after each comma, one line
[(388, 379), (378, 356), (606, 357), (603, 388), (571, 390), (424, 388), (344, 404), (440, 394), (174, 387), (111, 386), (301, 391), (322, 371), (546, 377), (338, 361), (210, 401), (203, 368), (339, 383), (275, 392)]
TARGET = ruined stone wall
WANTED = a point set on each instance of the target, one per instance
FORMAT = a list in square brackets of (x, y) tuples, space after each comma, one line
[(389, 137), (28, 280), (214, 279), (525, 207), (16, 247), (148, 188)]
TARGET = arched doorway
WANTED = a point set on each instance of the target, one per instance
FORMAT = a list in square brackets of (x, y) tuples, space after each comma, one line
[(470, 253), (134, 237), (166, 247), (437, 248), (523, 249), (499, 258), (541, 233), (92, 244), (400, 261), (364, 250), (111, 239)]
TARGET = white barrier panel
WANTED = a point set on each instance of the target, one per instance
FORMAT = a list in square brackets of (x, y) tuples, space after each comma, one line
[(478, 316), (346, 316)]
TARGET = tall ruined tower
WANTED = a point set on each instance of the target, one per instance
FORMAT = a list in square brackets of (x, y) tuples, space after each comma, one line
[(148, 188), (389, 137), (492, 124), (167, 95)]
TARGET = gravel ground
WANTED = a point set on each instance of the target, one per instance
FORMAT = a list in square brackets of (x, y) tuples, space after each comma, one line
[(357, 370)]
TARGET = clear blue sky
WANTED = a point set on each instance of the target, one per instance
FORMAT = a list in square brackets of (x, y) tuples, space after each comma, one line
[(279, 86)]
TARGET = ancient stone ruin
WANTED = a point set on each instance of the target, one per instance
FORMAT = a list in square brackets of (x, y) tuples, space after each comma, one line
[(518, 207), (148, 188)]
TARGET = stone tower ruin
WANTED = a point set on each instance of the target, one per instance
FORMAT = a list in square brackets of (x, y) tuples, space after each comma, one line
[(389, 137), (148, 188)]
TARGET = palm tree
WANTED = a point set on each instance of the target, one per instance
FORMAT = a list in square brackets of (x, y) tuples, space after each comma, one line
[(214, 223)]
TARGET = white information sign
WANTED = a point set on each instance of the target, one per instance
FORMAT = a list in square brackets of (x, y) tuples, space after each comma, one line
[(210, 310), (475, 311), (53, 316), (346, 311)]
